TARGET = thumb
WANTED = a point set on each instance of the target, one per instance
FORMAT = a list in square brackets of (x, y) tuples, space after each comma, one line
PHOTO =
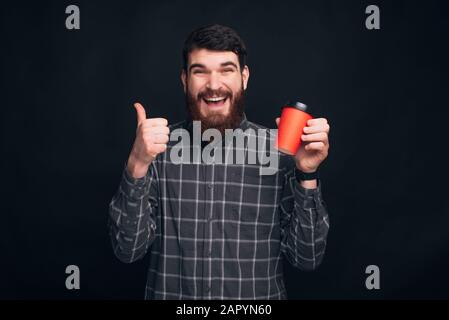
[(277, 121), (141, 114)]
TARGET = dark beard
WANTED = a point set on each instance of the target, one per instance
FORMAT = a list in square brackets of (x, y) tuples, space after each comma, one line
[(217, 121)]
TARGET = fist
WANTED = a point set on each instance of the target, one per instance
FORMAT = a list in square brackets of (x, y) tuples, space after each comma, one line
[(315, 147), (152, 136)]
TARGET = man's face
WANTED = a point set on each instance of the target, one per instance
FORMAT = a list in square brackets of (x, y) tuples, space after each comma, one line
[(214, 86)]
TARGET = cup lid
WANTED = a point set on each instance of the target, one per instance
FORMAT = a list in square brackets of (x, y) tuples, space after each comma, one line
[(297, 105)]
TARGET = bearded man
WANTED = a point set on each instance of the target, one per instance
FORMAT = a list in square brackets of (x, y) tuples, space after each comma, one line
[(218, 230)]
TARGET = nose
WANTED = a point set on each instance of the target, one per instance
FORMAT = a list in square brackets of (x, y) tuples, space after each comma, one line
[(214, 82)]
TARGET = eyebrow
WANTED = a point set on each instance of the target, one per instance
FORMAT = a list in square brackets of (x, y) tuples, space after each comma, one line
[(229, 63), (224, 64), (196, 65)]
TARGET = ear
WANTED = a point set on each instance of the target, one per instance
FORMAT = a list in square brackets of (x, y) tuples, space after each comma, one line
[(184, 79), (245, 77)]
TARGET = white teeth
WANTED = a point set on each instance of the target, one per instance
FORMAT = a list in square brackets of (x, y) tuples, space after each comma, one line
[(215, 99)]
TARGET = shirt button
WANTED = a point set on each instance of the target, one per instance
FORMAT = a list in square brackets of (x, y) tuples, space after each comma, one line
[(207, 289), (209, 254), (210, 186)]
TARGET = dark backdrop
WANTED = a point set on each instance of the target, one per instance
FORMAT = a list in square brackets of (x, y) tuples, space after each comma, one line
[(67, 125)]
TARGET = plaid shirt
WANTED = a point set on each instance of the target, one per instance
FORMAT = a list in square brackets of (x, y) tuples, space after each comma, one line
[(217, 231)]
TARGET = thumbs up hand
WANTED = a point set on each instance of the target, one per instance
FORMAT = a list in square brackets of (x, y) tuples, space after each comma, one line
[(152, 136)]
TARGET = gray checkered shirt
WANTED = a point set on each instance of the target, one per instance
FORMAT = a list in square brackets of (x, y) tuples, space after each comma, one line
[(218, 231)]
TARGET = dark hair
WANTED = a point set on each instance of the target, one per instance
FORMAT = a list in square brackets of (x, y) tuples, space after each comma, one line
[(215, 37)]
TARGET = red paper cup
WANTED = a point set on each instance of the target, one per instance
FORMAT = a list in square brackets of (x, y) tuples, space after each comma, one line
[(293, 120)]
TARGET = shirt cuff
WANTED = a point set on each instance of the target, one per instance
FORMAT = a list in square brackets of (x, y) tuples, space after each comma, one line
[(307, 198), (132, 187)]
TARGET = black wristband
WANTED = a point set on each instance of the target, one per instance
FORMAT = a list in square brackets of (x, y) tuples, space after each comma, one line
[(303, 176)]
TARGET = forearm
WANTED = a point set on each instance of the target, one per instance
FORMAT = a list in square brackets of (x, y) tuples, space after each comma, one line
[(306, 228), (131, 219), (309, 184), (136, 168)]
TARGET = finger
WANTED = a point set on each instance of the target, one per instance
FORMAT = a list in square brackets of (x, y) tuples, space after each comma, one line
[(141, 114), (316, 122), (316, 129), (160, 147), (317, 146), (321, 136), (277, 121), (155, 122), (160, 138), (155, 130)]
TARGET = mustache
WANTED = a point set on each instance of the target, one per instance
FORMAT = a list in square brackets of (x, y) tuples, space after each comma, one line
[(209, 93)]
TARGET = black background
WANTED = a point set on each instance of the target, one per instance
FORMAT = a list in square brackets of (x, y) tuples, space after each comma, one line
[(67, 125)]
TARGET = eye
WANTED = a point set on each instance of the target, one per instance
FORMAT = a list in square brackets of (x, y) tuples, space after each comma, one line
[(198, 71), (228, 70)]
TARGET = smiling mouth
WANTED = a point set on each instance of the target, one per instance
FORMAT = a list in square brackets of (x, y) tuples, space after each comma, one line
[(215, 101)]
